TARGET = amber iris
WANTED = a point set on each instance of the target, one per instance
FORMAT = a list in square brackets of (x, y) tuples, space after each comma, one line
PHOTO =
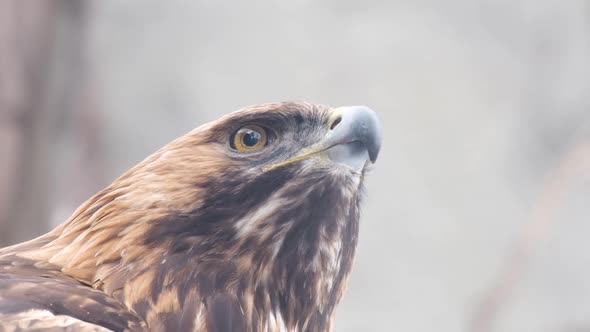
[(249, 139)]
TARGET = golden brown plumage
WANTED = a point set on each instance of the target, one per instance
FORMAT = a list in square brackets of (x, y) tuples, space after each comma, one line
[(205, 236)]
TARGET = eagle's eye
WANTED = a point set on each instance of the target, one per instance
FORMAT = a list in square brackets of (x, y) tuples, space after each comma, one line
[(249, 138)]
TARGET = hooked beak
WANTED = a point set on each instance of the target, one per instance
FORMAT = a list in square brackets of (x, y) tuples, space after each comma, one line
[(354, 139), (355, 134)]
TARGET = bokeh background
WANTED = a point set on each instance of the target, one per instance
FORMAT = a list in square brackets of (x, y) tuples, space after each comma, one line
[(477, 216)]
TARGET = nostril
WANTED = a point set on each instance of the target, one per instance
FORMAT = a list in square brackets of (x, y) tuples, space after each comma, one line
[(336, 122)]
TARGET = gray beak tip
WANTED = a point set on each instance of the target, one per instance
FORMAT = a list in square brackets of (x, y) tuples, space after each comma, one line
[(357, 124)]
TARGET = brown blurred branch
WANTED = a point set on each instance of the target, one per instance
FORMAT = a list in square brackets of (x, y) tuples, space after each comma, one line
[(542, 221), (26, 33), (31, 43)]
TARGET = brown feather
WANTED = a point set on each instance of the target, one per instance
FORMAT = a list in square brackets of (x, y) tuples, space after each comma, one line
[(198, 237)]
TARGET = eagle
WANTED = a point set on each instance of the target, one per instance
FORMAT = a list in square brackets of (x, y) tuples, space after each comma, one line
[(247, 223)]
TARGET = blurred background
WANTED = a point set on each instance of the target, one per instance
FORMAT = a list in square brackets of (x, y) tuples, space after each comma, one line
[(477, 216)]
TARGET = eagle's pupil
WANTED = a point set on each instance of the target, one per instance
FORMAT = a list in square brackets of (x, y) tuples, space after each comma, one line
[(250, 138)]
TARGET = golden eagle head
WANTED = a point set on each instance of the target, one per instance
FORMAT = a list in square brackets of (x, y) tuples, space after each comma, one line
[(250, 220)]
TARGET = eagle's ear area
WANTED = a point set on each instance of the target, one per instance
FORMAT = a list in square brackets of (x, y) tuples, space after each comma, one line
[(224, 314)]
